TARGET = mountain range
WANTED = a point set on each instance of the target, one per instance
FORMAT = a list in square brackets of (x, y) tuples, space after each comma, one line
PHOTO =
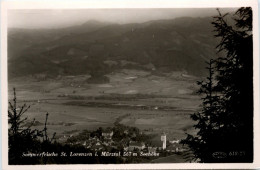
[(97, 48)]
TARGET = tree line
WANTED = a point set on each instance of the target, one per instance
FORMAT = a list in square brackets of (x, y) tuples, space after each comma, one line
[(225, 123)]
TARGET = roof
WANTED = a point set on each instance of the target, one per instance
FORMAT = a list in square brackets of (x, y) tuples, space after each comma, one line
[(97, 147)]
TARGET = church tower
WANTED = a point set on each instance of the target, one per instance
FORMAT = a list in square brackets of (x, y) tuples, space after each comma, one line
[(163, 139)]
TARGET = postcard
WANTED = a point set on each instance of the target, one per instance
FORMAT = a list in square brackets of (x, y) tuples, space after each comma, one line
[(130, 85)]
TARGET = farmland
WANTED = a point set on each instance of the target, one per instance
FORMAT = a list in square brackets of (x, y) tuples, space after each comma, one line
[(154, 103)]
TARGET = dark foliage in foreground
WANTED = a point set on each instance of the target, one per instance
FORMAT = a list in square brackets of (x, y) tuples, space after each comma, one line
[(25, 143), (28, 146), (225, 123)]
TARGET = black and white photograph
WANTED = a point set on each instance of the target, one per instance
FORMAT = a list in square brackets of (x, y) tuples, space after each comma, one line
[(130, 85)]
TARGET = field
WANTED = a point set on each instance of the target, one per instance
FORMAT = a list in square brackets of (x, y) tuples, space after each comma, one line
[(155, 103)]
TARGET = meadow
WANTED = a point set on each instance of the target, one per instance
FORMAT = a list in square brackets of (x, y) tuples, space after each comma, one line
[(153, 103)]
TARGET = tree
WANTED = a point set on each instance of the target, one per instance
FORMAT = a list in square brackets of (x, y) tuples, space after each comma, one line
[(24, 139), (235, 83), (21, 139), (225, 124), (201, 144)]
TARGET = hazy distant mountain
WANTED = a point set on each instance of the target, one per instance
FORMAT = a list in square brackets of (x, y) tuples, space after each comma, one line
[(20, 39), (181, 44)]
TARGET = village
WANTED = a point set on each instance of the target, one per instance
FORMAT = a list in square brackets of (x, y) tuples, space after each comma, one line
[(125, 141)]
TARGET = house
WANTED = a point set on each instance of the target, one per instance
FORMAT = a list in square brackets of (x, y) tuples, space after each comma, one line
[(152, 149), (107, 134), (108, 142), (174, 141), (97, 147), (126, 132), (176, 147), (136, 145), (172, 148), (126, 148)]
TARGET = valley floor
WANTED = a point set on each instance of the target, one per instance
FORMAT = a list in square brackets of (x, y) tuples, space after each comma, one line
[(154, 104)]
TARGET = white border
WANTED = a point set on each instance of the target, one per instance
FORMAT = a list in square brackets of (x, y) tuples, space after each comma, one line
[(70, 4)]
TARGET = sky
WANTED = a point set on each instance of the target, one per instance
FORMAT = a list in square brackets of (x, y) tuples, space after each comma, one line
[(58, 18)]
